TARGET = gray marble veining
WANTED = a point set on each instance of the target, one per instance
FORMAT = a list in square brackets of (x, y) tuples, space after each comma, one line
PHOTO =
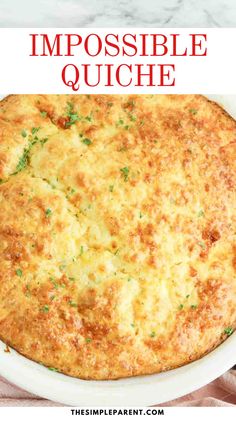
[(118, 13)]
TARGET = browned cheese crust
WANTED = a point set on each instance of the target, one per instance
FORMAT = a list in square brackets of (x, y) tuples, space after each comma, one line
[(117, 231)]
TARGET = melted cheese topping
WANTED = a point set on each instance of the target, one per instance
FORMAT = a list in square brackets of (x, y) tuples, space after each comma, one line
[(117, 231)]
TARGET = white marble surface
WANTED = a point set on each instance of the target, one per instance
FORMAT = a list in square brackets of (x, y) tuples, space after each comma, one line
[(118, 13)]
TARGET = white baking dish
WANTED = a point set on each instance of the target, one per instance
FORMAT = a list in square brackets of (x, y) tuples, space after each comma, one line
[(135, 391)]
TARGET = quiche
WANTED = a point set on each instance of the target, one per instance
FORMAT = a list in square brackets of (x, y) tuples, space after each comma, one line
[(117, 231)]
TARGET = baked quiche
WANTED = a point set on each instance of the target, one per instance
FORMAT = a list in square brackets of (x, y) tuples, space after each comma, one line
[(117, 231)]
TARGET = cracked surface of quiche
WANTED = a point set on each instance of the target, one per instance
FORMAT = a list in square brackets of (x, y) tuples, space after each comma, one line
[(117, 231)]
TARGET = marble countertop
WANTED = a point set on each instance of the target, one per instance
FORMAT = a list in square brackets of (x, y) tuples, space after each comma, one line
[(118, 13)]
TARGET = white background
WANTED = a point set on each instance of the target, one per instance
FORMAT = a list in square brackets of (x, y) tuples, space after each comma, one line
[(20, 73), (171, 415)]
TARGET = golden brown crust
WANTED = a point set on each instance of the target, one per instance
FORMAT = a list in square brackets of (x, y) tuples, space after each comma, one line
[(117, 231)]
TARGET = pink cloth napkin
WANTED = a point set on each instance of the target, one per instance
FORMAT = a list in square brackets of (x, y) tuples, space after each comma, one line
[(221, 392)]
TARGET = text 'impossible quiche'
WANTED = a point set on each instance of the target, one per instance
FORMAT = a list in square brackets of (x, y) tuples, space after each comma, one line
[(117, 231)]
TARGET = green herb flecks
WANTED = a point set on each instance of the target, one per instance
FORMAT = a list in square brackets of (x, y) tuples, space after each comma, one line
[(89, 118), (19, 272), (53, 369), (48, 212), (193, 111), (33, 139), (200, 213), (120, 122), (72, 115), (23, 161), (73, 304), (86, 141), (152, 334), (228, 331), (45, 309), (132, 117), (125, 172), (34, 130)]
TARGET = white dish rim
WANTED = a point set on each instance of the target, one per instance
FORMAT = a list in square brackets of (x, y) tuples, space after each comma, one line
[(134, 391)]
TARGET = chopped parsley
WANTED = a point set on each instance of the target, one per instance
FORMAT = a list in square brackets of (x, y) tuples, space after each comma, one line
[(48, 212), (53, 369), (193, 306), (88, 340), (43, 141), (73, 116), (34, 130), (55, 284), (43, 113), (125, 172), (152, 334), (81, 250), (86, 141), (19, 272), (132, 118), (200, 213), (24, 159), (193, 111), (89, 118), (111, 188), (228, 331), (181, 306), (73, 304), (45, 309)]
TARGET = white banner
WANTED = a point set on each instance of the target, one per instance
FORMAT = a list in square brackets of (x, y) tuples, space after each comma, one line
[(135, 415), (111, 60)]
